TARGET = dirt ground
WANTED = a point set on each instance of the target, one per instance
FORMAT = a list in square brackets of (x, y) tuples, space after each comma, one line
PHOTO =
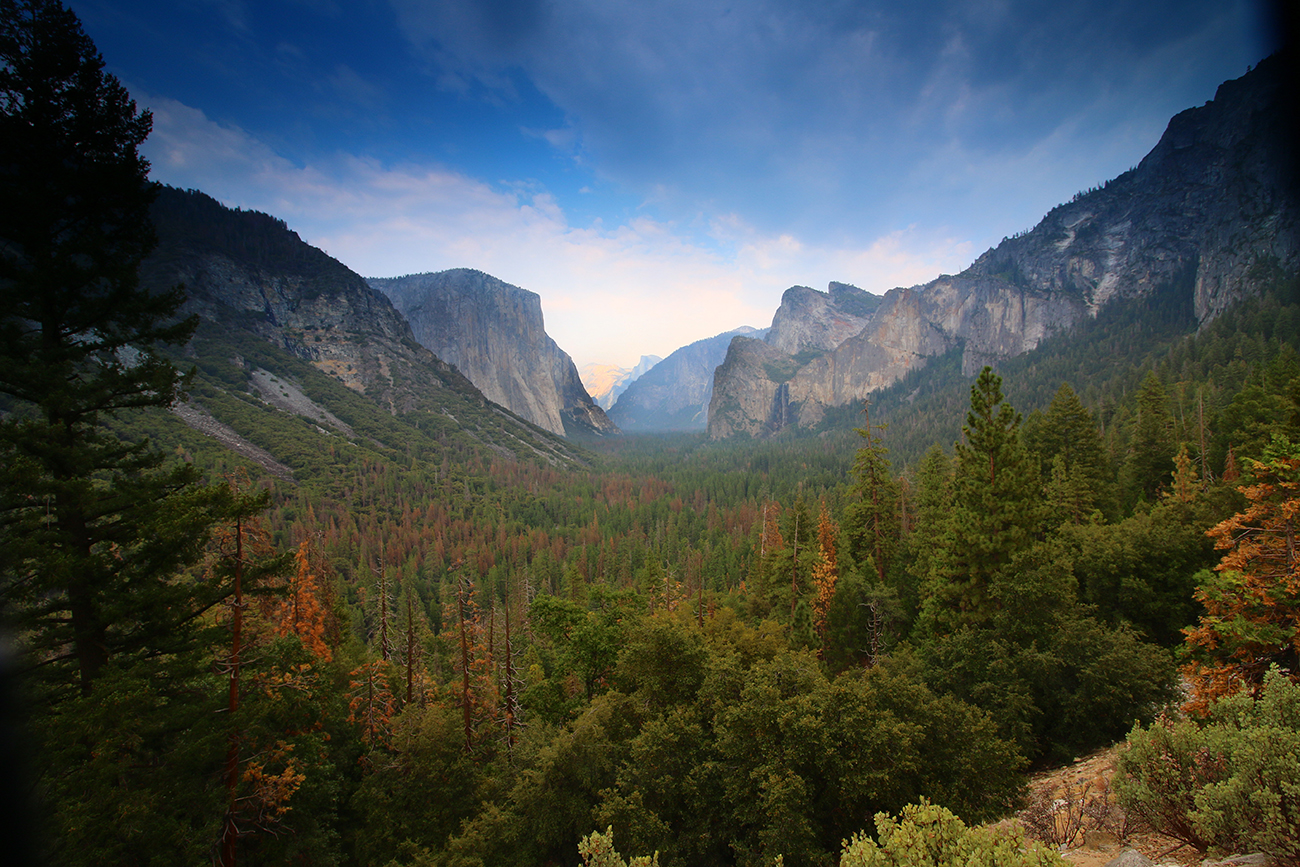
[(1074, 809)]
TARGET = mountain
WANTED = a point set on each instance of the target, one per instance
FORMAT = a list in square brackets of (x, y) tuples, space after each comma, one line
[(605, 382), (808, 320), (291, 339), (600, 380), (674, 394), (493, 333), (1213, 206)]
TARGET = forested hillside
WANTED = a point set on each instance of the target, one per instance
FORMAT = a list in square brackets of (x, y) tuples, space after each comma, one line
[(300, 619), (655, 640)]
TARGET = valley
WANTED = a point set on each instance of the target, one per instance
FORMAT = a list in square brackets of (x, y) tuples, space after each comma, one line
[(307, 567)]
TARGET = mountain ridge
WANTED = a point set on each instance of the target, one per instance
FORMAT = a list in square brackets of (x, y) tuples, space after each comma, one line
[(493, 332), (285, 327), (674, 394), (606, 382), (1216, 198)]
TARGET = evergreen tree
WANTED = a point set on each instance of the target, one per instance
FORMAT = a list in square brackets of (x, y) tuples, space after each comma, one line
[(1252, 599), (931, 517), (873, 514), (790, 576), (1068, 431), (1069, 498), (1150, 459), (92, 530), (995, 506)]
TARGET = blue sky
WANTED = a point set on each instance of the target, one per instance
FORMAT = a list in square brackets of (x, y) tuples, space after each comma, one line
[(660, 172)]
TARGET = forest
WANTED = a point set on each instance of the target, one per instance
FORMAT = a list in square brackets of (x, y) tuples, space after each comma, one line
[(413, 649)]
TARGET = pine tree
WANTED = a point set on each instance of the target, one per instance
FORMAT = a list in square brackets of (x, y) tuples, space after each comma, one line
[(799, 531), (931, 518), (1150, 461), (1252, 601), (824, 579), (1186, 484), (1068, 430), (243, 560), (91, 529), (1069, 498), (873, 514), (301, 612), (371, 704), (995, 511)]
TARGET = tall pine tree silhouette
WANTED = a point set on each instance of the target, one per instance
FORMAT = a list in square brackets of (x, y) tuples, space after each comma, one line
[(91, 529)]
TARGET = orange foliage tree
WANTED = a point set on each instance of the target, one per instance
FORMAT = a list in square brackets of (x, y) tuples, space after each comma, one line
[(260, 777), (825, 573), (371, 704), (1252, 602), (300, 612)]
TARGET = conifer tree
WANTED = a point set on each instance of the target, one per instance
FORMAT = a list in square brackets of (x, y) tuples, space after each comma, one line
[(244, 561), (1069, 498), (371, 704), (1068, 430), (931, 516), (873, 514), (301, 612), (1150, 460), (995, 511), (824, 579), (799, 531), (91, 530), (1252, 601), (1185, 483)]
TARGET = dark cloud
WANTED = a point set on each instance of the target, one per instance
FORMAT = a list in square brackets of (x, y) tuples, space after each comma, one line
[(806, 117), (741, 104)]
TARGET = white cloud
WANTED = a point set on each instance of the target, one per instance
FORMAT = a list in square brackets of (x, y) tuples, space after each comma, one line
[(611, 294)]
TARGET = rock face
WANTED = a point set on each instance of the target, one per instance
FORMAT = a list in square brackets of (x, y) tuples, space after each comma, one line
[(268, 302), (812, 320), (248, 270), (1214, 205), (493, 333), (606, 382), (756, 374), (674, 395)]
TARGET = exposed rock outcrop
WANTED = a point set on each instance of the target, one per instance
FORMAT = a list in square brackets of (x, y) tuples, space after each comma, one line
[(811, 320), (494, 334), (674, 394), (1214, 205), (247, 270), (268, 302)]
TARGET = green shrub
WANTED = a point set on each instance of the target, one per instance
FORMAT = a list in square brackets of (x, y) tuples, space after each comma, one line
[(927, 835), (1230, 782), (597, 850)]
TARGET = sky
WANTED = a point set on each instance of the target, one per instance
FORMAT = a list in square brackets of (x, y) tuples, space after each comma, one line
[(660, 171)]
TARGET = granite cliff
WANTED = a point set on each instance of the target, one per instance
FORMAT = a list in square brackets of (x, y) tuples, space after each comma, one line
[(1213, 207), (494, 334), (808, 320), (606, 382), (674, 394), (246, 270), (267, 302)]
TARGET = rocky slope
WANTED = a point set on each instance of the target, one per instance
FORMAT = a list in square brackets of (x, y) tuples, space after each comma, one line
[(247, 270), (674, 394), (808, 320), (494, 334), (1213, 205), (248, 276)]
